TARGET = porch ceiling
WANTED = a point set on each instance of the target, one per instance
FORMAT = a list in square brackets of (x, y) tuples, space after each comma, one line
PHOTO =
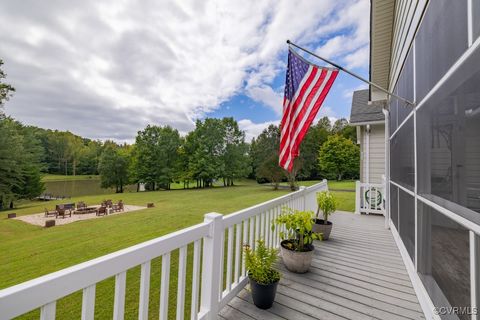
[(381, 30)]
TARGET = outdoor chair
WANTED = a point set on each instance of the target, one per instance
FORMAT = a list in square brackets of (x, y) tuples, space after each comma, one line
[(102, 211), (63, 213), (81, 205), (118, 206), (50, 213)]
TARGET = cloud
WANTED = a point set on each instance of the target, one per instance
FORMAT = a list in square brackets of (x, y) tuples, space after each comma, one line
[(347, 35), (252, 130), (267, 96), (106, 69), (348, 93)]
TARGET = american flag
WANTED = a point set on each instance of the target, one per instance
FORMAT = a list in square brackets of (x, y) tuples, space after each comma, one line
[(306, 86)]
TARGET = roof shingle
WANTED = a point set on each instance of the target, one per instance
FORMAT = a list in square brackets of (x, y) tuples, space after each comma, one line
[(362, 111)]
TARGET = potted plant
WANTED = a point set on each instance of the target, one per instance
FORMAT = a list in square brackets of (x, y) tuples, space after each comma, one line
[(327, 204), (297, 238), (261, 273)]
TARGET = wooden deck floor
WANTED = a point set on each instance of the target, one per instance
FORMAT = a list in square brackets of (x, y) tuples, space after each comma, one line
[(357, 274)]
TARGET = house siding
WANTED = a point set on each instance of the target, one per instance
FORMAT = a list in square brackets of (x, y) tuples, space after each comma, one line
[(374, 145)]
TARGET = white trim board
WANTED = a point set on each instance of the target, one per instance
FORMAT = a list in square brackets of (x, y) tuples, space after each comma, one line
[(422, 295)]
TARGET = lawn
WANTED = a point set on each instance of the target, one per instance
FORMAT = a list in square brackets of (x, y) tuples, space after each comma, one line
[(343, 191), (29, 251)]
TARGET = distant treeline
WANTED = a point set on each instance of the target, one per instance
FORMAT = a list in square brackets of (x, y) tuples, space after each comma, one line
[(215, 150)]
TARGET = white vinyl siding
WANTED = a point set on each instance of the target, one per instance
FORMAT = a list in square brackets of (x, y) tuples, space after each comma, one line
[(372, 143)]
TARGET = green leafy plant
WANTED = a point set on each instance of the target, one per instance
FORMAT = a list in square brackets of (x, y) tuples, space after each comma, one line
[(327, 203), (298, 229), (260, 263)]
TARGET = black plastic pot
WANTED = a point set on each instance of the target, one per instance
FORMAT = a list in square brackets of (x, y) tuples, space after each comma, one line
[(263, 295)]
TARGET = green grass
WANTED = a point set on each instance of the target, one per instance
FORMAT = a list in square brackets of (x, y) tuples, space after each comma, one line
[(341, 185), (60, 177), (345, 200), (29, 251)]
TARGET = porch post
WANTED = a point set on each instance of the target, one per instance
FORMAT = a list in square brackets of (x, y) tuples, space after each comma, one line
[(211, 268), (357, 197)]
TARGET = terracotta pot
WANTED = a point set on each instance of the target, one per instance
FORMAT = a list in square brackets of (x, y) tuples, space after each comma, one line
[(320, 227), (296, 261)]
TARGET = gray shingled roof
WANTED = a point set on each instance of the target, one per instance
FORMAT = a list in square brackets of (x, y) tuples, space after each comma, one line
[(361, 111)]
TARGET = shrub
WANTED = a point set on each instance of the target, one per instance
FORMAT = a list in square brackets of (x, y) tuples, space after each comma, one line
[(259, 263), (326, 202), (298, 225)]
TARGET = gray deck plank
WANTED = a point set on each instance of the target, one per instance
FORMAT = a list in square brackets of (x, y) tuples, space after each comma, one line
[(357, 274)]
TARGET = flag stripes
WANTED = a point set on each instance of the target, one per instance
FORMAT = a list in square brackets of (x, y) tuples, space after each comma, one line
[(304, 95)]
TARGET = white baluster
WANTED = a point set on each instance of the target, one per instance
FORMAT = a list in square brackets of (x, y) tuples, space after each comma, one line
[(229, 258), (47, 312), (195, 279), (238, 238), (88, 303), (245, 239), (119, 300), (164, 287), (144, 291), (182, 267)]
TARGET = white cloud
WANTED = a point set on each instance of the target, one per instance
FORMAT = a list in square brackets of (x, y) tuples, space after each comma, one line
[(351, 46), (348, 93), (252, 130), (267, 96), (106, 69)]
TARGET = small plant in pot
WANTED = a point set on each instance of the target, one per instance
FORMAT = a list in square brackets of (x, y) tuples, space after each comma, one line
[(262, 274), (297, 238), (327, 205)]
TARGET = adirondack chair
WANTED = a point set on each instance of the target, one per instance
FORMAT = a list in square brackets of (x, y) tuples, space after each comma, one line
[(101, 211), (63, 213), (50, 213), (118, 206)]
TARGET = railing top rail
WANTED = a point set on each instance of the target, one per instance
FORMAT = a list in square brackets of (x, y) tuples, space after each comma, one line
[(246, 213), (29, 295)]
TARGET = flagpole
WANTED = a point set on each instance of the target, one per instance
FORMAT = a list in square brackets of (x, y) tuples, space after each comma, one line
[(351, 73)]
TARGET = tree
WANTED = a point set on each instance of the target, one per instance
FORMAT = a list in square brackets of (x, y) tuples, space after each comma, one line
[(20, 156), (6, 90), (207, 148), (339, 157), (156, 154), (113, 166), (264, 152), (235, 152)]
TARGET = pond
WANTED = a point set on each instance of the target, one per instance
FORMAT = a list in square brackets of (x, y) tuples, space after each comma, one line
[(75, 188)]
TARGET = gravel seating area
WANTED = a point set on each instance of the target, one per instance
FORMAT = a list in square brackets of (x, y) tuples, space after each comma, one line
[(39, 219)]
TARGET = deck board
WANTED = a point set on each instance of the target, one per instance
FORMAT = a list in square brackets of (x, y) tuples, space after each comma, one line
[(357, 274)]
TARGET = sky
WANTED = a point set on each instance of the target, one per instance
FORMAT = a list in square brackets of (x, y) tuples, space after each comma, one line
[(106, 69)]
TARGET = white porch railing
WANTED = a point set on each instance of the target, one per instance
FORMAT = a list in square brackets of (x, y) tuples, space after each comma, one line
[(213, 284), (369, 198)]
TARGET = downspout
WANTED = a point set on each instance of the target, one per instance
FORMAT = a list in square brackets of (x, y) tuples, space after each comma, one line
[(387, 168), (367, 153)]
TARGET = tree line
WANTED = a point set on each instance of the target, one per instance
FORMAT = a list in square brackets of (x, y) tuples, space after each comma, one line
[(215, 151)]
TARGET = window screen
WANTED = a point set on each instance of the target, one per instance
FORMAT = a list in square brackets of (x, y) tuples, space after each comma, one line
[(441, 39), (402, 169), (443, 260), (448, 143), (476, 19), (406, 204), (405, 89), (394, 204)]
